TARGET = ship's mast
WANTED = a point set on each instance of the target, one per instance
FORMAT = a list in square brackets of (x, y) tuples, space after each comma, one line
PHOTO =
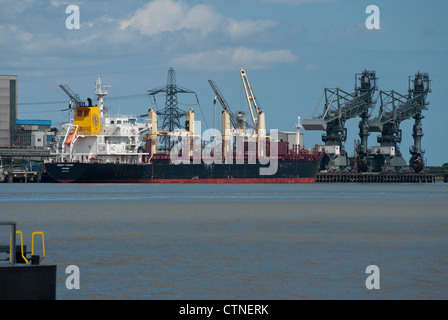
[(101, 92), (298, 126)]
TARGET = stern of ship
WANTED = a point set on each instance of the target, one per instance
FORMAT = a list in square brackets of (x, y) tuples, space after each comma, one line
[(65, 172)]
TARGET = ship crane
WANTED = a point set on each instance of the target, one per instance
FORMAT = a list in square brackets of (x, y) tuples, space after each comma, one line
[(338, 107), (222, 101), (259, 120), (238, 120), (74, 98), (394, 109)]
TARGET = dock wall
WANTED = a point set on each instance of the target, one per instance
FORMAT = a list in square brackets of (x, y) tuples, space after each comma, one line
[(330, 177)]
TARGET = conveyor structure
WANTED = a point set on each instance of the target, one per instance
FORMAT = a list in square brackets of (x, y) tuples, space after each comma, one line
[(337, 106), (394, 109)]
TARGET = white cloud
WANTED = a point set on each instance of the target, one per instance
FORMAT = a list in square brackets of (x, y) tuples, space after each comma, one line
[(202, 18), (169, 15), (173, 16), (235, 58), (245, 29), (177, 32), (193, 28)]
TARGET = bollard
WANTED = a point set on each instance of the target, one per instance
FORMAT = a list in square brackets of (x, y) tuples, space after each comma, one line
[(35, 260)]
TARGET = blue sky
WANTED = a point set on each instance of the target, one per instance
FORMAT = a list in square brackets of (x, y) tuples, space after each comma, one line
[(291, 50)]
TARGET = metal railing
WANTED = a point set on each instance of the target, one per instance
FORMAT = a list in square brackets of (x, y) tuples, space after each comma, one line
[(35, 259), (12, 240)]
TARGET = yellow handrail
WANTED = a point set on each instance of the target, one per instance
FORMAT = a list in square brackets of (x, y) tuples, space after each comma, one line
[(21, 246), (10, 247), (43, 244)]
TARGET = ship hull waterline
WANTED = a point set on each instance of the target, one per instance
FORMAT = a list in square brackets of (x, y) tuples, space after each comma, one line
[(75, 172)]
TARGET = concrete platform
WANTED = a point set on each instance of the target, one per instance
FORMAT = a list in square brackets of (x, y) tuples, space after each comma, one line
[(27, 282)]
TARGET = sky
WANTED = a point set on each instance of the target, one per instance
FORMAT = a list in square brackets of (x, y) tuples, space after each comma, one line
[(290, 49)]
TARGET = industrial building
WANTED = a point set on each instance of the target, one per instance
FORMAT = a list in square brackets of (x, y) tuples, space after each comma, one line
[(8, 108), (19, 133), (31, 133)]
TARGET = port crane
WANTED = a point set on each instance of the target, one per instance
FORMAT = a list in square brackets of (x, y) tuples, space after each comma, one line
[(394, 109), (338, 107)]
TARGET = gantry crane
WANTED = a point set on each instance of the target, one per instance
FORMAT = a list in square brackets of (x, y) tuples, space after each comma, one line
[(338, 107), (394, 109)]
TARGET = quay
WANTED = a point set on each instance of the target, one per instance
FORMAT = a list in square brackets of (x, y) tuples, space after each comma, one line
[(336, 177), (20, 176), (13, 172)]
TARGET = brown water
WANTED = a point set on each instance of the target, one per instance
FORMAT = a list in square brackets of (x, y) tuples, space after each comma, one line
[(239, 241)]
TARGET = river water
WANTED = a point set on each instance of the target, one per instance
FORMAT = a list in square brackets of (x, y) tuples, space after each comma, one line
[(251, 241)]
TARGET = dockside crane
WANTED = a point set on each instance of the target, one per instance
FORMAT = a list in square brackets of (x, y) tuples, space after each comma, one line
[(338, 107), (394, 109)]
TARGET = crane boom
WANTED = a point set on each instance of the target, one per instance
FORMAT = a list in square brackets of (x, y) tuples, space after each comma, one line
[(223, 103), (73, 96), (250, 98), (394, 108)]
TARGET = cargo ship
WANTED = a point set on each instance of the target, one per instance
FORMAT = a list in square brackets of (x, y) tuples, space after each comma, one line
[(99, 148)]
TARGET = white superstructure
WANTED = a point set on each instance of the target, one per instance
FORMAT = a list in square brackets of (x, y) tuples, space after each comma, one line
[(96, 136)]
